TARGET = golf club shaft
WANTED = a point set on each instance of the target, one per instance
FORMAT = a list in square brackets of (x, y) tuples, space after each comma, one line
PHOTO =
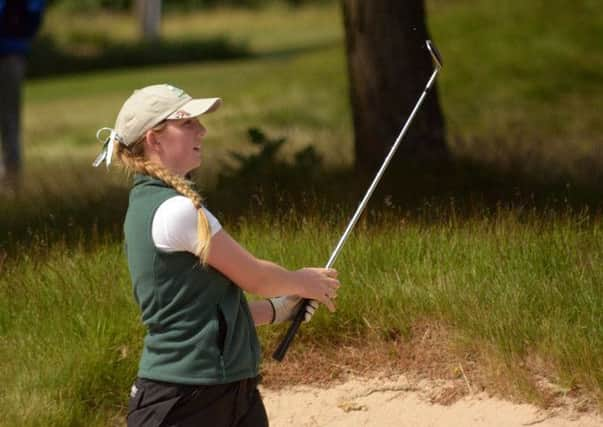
[(379, 175), (281, 350)]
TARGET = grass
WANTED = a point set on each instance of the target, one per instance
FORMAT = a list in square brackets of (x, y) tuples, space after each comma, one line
[(519, 284), (533, 107), (313, 25), (505, 246), (74, 329), (522, 79), (540, 100)]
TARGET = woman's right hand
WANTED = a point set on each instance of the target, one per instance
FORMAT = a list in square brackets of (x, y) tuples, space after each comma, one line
[(319, 284)]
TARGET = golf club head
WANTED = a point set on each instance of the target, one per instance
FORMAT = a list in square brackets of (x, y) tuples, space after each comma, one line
[(435, 55)]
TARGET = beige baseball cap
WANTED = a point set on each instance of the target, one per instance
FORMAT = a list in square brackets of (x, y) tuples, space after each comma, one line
[(146, 108)]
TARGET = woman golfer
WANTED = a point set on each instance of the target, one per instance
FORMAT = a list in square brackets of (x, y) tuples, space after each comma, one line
[(199, 363)]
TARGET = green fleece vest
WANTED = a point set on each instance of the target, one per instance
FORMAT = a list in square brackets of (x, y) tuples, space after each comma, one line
[(199, 327)]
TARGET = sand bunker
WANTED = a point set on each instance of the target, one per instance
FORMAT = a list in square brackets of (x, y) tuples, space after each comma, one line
[(400, 402)]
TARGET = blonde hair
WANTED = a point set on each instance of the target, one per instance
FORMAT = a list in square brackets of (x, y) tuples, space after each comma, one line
[(133, 159)]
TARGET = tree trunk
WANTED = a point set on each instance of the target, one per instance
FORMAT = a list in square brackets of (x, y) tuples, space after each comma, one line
[(149, 16), (388, 66)]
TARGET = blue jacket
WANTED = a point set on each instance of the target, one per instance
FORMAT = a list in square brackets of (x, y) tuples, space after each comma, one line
[(19, 22)]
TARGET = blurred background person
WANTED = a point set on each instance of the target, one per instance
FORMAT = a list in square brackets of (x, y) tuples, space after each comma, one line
[(19, 22)]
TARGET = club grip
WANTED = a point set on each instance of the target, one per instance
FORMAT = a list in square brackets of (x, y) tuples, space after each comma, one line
[(281, 350)]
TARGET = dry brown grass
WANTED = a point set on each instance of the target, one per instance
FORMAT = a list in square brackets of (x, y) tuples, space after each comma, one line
[(433, 351)]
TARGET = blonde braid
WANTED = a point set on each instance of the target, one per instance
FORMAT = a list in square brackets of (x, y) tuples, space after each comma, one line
[(132, 157)]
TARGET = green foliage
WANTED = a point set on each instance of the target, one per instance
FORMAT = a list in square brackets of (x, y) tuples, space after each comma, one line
[(264, 168), (180, 5), (91, 5), (96, 51)]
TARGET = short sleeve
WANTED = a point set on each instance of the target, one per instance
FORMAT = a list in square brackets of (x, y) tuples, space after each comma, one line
[(175, 225)]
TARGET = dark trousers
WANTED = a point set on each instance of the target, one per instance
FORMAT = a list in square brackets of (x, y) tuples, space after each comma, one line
[(238, 404), (12, 73)]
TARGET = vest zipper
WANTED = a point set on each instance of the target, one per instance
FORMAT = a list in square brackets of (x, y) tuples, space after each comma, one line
[(222, 333), (222, 366)]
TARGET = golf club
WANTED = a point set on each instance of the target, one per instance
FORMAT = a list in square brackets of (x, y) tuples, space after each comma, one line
[(282, 348)]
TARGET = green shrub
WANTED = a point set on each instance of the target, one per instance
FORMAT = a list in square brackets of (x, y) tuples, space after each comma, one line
[(49, 58), (90, 5), (266, 169)]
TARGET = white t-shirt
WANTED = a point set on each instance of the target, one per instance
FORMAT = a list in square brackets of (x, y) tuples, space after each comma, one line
[(174, 226)]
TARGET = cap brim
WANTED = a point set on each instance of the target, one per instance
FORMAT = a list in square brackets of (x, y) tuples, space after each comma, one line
[(196, 108)]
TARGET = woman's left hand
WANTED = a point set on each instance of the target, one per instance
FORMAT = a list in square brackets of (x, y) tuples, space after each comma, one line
[(285, 308)]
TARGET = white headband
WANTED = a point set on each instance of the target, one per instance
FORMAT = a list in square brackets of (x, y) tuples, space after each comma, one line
[(108, 143)]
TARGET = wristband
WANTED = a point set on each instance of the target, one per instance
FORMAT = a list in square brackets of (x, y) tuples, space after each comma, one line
[(273, 311)]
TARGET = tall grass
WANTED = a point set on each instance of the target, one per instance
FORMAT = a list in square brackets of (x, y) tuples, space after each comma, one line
[(71, 334)]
